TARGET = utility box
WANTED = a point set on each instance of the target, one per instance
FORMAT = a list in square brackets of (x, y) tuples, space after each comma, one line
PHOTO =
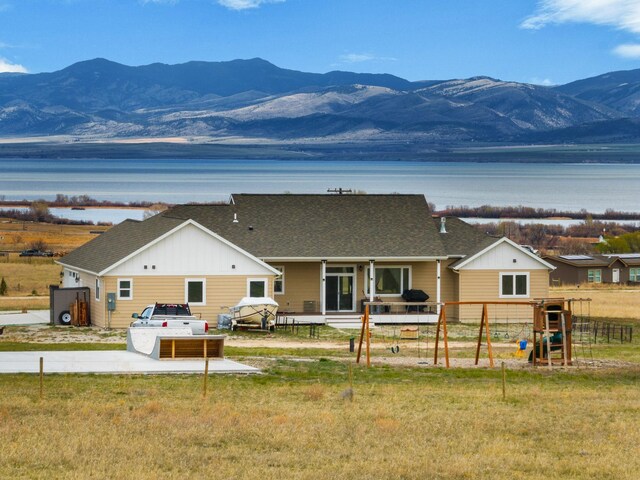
[(111, 302)]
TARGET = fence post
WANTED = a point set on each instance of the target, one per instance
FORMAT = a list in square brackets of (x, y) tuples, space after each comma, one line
[(206, 376), (41, 377)]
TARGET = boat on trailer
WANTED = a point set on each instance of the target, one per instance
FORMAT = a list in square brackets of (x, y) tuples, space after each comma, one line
[(254, 312)]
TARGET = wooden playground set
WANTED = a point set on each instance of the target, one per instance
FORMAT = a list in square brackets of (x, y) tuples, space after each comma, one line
[(551, 320)]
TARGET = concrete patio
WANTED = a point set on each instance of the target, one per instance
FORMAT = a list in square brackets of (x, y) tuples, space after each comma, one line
[(112, 362)]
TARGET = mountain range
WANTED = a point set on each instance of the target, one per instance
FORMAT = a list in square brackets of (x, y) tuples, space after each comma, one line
[(254, 99)]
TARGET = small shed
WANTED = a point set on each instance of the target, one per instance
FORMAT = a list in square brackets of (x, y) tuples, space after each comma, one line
[(62, 302)]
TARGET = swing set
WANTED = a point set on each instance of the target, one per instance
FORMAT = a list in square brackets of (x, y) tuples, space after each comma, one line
[(552, 326)]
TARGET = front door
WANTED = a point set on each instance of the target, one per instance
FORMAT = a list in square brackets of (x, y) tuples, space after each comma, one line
[(339, 289), (615, 275)]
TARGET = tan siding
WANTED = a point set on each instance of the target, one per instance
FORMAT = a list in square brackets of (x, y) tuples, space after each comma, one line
[(301, 282), (222, 292), (483, 285), (96, 307)]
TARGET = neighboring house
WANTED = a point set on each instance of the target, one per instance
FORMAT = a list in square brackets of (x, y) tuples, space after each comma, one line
[(312, 253), (609, 268)]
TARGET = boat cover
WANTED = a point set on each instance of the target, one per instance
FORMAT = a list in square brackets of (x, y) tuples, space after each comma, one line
[(246, 301)]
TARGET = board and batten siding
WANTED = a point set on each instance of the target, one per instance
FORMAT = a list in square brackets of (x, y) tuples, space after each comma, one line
[(221, 292), (190, 251)]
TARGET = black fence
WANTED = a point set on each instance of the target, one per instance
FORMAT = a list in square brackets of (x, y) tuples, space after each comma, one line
[(603, 332)]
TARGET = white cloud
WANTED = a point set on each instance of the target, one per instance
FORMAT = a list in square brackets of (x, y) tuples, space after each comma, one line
[(356, 57), (7, 67), (628, 50), (245, 4), (620, 14), (363, 57), (545, 82)]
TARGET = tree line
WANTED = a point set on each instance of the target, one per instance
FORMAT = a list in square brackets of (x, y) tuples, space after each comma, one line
[(520, 211)]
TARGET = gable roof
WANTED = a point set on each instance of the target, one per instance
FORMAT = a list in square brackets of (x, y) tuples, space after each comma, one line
[(468, 259), (323, 226), (292, 226), (117, 243)]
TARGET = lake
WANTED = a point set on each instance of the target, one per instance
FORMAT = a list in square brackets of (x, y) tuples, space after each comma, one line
[(594, 187)]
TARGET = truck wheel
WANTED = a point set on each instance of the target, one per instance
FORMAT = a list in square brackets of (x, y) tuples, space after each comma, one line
[(65, 317)]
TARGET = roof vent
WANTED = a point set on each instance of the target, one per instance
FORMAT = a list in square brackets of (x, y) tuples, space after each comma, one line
[(235, 218), (443, 225), (251, 228)]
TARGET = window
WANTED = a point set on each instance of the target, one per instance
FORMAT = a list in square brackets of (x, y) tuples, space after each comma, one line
[(278, 282), (125, 289), (195, 291), (594, 276), (634, 274), (514, 285), (257, 287), (390, 280), (97, 289)]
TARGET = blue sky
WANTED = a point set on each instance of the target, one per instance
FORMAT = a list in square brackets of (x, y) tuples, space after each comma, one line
[(537, 41)]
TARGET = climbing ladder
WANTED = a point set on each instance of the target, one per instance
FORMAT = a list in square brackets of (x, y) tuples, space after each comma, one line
[(552, 327)]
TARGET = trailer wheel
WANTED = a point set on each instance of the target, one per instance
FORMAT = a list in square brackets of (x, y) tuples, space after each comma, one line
[(65, 317)]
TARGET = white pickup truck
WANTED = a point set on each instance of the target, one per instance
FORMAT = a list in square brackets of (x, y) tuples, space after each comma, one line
[(170, 315)]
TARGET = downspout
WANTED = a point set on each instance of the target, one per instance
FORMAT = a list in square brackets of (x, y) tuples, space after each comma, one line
[(438, 286), (372, 271), (323, 289)]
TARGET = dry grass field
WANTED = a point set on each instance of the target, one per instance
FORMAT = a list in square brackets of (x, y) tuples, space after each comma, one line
[(295, 422), (28, 281), (607, 301), (28, 278), (17, 235)]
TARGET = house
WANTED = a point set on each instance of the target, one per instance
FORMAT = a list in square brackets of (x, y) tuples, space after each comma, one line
[(317, 255), (609, 268)]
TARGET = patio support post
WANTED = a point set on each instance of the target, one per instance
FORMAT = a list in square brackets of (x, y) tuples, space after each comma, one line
[(372, 274), (323, 288), (438, 286)]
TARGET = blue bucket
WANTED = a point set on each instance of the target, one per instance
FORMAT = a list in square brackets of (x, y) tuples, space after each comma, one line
[(523, 344)]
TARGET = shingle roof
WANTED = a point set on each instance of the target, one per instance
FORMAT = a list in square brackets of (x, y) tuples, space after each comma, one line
[(318, 226), (299, 226), (461, 238), (587, 261)]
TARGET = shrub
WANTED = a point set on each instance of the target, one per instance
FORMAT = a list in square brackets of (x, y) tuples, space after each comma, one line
[(3, 287)]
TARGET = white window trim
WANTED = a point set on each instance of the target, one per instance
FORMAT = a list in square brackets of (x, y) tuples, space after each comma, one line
[(513, 274), (98, 289), (403, 287), (281, 268), (130, 288), (264, 280), (594, 270), (204, 290)]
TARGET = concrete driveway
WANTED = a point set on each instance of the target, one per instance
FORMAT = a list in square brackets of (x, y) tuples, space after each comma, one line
[(110, 361), (32, 317)]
